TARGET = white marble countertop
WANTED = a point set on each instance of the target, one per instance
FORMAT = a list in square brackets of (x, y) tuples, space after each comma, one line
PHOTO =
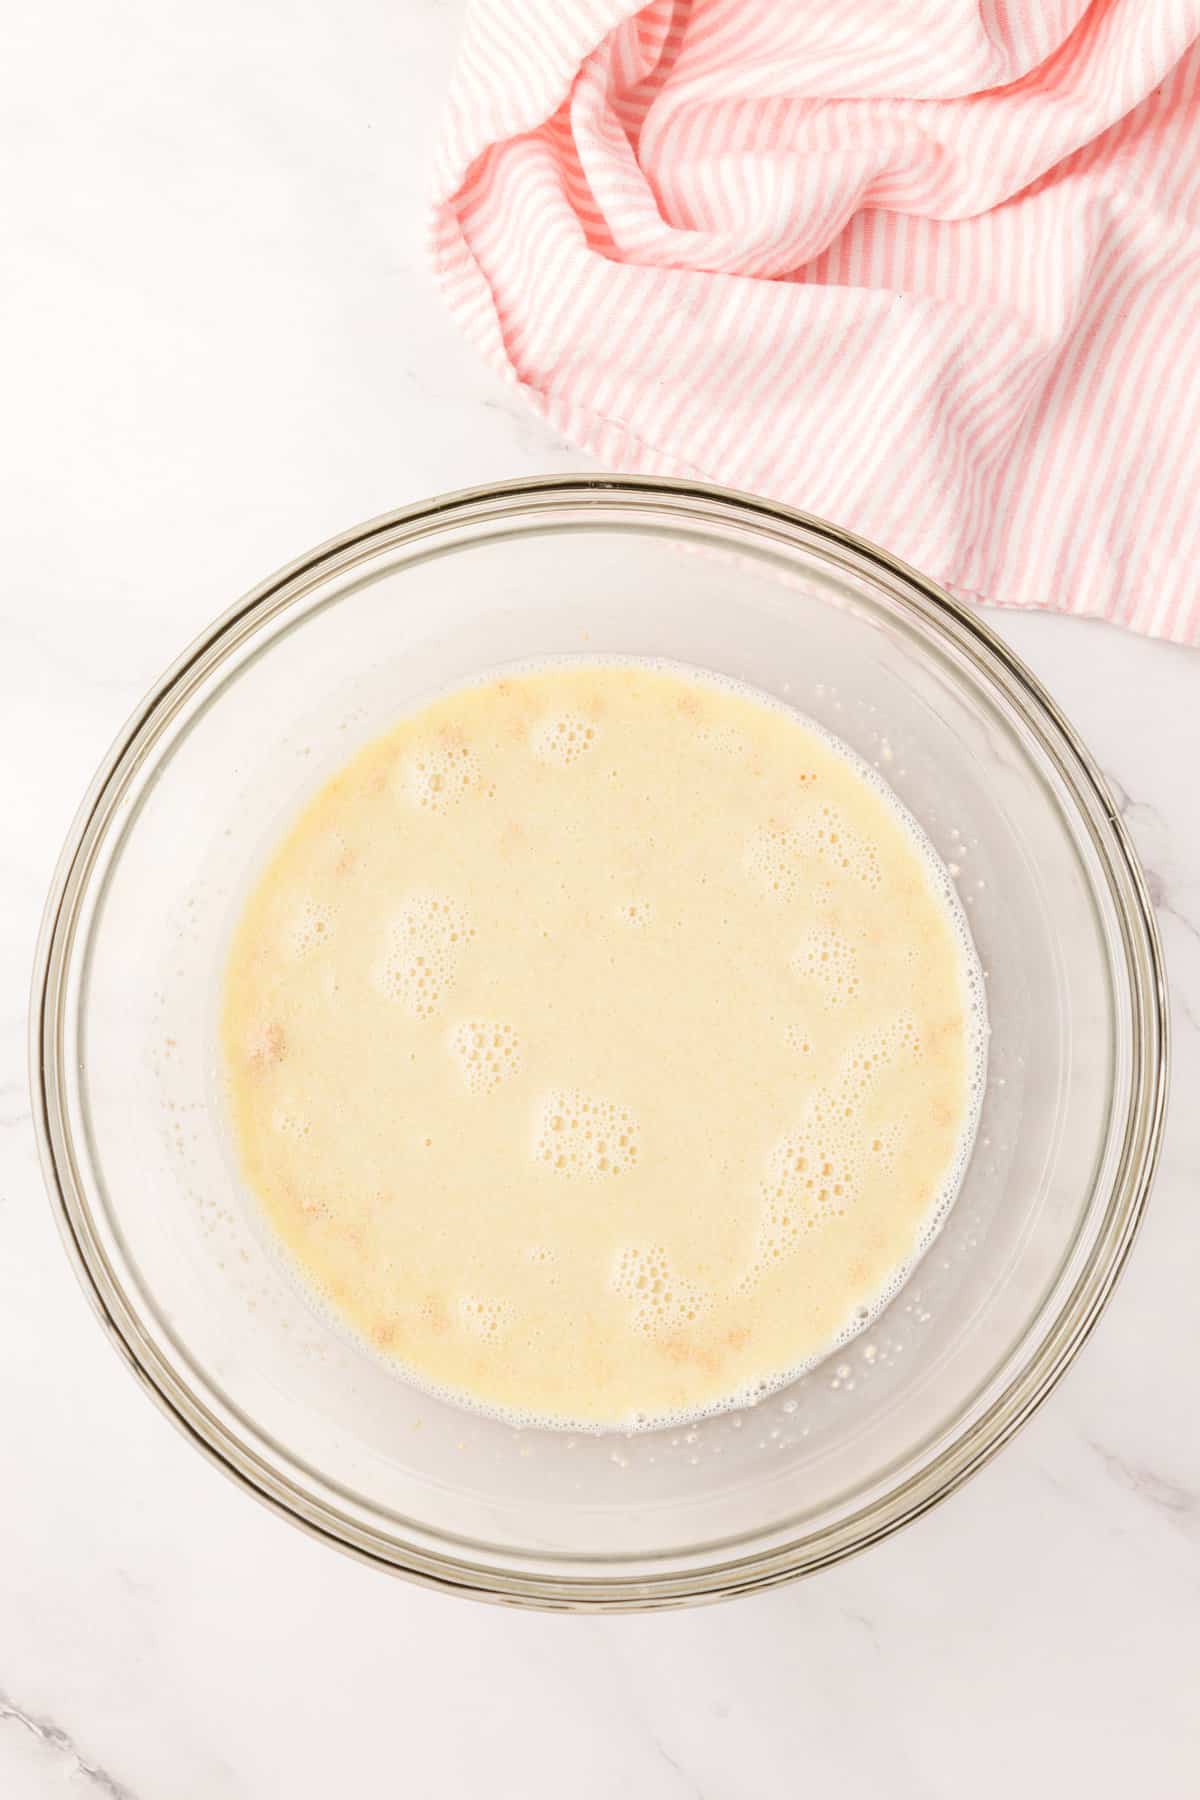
[(224, 347)]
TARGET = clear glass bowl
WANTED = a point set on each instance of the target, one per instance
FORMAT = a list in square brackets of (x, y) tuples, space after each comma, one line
[(277, 695)]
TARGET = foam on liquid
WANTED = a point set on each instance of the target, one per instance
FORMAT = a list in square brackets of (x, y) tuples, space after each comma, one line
[(604, 1045)]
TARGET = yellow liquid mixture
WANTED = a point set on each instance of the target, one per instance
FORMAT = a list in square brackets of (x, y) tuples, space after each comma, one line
[(603, 1044)]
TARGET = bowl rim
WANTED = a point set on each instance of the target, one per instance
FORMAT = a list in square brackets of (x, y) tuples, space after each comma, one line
[(982, 1436)]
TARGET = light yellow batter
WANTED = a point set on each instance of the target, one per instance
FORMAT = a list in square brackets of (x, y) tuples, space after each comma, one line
[(603, 1044)]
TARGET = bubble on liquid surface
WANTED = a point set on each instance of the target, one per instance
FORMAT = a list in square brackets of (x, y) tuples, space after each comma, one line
[(309, 928), (783, 860), (488, 1319), (829, 962), (808, 1181), (487, 1052), (436, 777), (289, 1123), (662, 1300), (883, 1146), (422, 951), (635, 914), (723, 738), (815, 1172), (562, 738), (584, 1135)]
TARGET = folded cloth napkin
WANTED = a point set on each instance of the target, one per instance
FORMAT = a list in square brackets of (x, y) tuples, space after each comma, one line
[(931, 270)]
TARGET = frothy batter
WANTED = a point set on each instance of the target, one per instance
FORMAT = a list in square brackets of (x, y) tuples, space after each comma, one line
[(604, 1044)]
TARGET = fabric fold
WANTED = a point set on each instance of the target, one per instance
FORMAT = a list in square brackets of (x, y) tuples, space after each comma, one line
[(932, 272)]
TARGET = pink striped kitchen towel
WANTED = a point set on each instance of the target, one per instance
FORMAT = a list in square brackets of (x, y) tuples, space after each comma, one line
[(929, 269)]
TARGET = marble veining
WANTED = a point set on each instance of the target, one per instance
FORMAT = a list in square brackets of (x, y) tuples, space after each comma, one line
[(1180, 1504), (61, 1751)]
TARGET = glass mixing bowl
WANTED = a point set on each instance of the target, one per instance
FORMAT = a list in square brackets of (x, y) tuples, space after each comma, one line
[(276, 696)]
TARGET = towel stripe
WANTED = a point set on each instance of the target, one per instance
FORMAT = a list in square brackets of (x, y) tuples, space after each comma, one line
[(932, 271)]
